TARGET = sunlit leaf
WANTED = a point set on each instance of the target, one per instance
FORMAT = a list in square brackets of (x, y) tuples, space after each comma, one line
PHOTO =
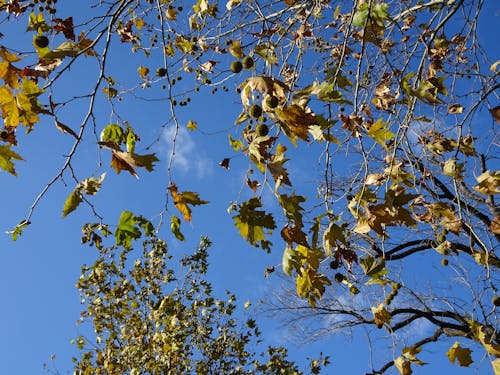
[(127, 231), (380, 133), (72, 202), (182, 200), (175, 227), (251, 222), (459, 354)]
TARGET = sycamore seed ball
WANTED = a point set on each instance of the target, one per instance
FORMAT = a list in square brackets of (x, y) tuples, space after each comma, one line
[(496, 301), (247, 62), (236, 66), (262, 130), (272, 101), (444, 262), (161, 72), (41, 41), (255, 111)]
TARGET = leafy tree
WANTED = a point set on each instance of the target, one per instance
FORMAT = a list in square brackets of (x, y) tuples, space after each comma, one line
[(151, 319), (393, 106)]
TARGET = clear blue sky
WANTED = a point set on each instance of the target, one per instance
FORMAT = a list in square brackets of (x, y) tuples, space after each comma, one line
[(40, 304)]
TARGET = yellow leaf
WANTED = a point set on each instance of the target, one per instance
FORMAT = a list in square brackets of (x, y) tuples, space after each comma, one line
[(462, 355), (192, 125), (181, 201), (488, 183), (10, 112), (496, 366), (143, 71), (378, 131), (236, 50), (403, 366), (381, 315)]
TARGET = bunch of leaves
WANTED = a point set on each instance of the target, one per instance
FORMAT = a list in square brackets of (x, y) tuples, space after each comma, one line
[(151, 316)]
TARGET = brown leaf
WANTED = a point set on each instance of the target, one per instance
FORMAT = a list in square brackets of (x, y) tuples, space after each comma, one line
[(495, 113), (495, 225), (65, 129), (252, 184), (455, 109), (119, 165), (225, 163), (65, 26)]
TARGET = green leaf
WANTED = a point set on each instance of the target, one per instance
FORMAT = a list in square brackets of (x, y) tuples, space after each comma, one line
[(126, 230), (378, 131), (291, 207), (361, 15), (287, 261), (459, 354), (251, 223), (113, 133), (18, 230), (72, 202), (331, 235), (175, 227), (266, 51), (6, 157), (37, 23)]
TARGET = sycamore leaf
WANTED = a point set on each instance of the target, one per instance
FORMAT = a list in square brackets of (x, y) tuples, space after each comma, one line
[(403, 366), (72, 202), (143, 71), (127, 230), (182, 200), (331, 235), (266, 85), (236, 50), (488, 183), (452, 168), (486, 339), (18, 230), (92, 185), (118, 164), (372, 268), (251, 223), (10, 111), (266, 51), (381, 315), (65, 129), (380, 133), (496, 366), (288, 260), (175, 227), (113, 133), (495, 225), (461, 355), (192, 125), (6, 157), (291, 207)]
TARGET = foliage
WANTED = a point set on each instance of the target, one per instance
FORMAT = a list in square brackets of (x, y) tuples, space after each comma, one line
[(393, 105), (150, 316)]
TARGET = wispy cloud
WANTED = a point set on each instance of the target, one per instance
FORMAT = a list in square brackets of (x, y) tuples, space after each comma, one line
[(189, 157)]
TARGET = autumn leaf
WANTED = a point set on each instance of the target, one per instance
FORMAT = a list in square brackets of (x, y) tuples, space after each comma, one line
[(251, 223), (459, 354), (495, 225), (236, 50), (192, 125), (495, 113), (92, 185), (65, 129), (381, 315), (6, 157), (488, 183), (143, 72), (380, 133), (182, 200)]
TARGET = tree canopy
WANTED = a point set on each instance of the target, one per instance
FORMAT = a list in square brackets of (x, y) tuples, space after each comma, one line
[(363, 136)]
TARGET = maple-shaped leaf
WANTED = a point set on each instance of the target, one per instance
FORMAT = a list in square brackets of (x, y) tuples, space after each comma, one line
[(6, 157), (459, 354), (266, 85), (118, 164), (381, 315), (10, 111), (251, 223), (488, 183), (294, 234), (65, 26), (297, 120), (480, 333), (374, 270), (291, 207), (182, 200), (380, 133), (277, 169), (126, 231), (332, 234)]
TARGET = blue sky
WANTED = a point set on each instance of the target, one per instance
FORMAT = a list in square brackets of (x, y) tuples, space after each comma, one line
[(41, 304)]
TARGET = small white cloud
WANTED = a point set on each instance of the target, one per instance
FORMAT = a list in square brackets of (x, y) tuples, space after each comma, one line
[(188, 157)]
